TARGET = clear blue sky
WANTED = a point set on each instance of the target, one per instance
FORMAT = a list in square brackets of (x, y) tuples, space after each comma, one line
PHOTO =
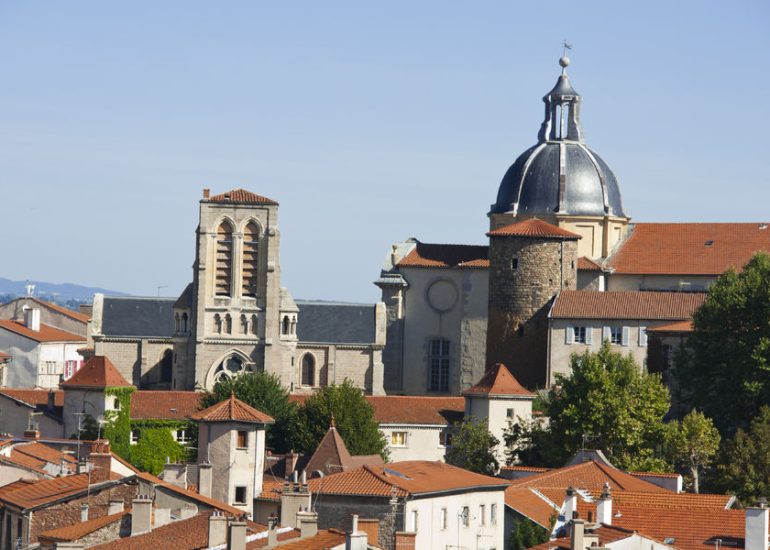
[(369, 122)]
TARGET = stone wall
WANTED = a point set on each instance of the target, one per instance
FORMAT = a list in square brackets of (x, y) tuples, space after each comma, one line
[(137, 360), (524, 276), (337, 512)]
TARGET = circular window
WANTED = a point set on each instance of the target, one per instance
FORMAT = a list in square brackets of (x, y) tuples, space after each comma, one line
[(442, 295)]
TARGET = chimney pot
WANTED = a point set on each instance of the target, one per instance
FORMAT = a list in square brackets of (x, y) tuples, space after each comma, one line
[(237, 538), (206, 193), (272, 533), (84, 512), (141, 515), (217, 528)]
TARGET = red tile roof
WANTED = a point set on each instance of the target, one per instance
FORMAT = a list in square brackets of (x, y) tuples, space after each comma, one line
[(678, 326), (64, 311), (324, 540), (499, 381), (37, 455), (241, 196), (34, 397), (684, 249), (271, 488), (531, 469), (332, 456), (534, 228), (79, 530), (446, 255), (398, 409), (586, 304), (587, 264), (232, 410), (590, 475), (532, 504), (47, 491), (165, 405), (97, 372), (46, 333)]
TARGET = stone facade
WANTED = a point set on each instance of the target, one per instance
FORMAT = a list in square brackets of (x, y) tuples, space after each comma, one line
[(336, 512), (525, 274)]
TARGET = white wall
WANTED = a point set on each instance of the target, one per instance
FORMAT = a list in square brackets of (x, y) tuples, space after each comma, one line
[(477, 535), (91, 402), (14, 419), (423, 441), (495, 410), (21, 370), (659, 282), (51, 359)]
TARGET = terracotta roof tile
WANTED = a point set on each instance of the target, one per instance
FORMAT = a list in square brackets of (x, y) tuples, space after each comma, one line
[(41, 453), (26, 462), (232, 410), (587, 264), (446, 255), (589, 475), (499, 381), (528, 502), (63, 310), (4, 356), (684, 249), (97, 372), (80, 530), (645, 305), (678, 326), (46, 491), (332, 456), (166, 405), (46, 333), (271, 488), (398, 409), (34, 397), (323, 540), (535, 228), (241, 196), (532, 469)]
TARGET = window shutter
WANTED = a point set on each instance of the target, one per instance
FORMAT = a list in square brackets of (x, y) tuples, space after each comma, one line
[(624, 338), (642, 336), (569, 334), (606, 334), (589, 335)]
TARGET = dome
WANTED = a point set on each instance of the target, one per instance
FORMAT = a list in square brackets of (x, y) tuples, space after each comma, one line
[(533, 184), (560, 175)]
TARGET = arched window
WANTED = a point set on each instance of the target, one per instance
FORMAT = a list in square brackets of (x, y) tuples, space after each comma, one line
[(228, 324), (254, 325), (438, 365), (285, 325), (308, 370), (244, 324), (224, 263), (166, 366), (250, 259), (217, 323), (184, 322), (294, 325), (177, 323)]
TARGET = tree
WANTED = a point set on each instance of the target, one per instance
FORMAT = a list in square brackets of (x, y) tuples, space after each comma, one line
[(526, 534), (353, 418), (608, 401), (724, 370), (265, 393), (693, 443), (473, 447), (744, 464)]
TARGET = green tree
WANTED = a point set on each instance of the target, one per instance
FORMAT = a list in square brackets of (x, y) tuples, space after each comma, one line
[(606, 401), (473, 447), (744, 464), (353, 418), (526, 534), (724, 370), (692, 444), (265, 393)]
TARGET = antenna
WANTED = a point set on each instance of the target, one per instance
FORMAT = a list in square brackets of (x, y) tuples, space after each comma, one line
[(159, 287)]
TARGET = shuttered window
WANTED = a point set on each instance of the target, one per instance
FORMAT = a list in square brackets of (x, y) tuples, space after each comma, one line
[(224, 263), (250, 259)]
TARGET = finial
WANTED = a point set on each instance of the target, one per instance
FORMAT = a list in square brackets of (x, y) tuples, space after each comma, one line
[(332, 423), (564, 60)]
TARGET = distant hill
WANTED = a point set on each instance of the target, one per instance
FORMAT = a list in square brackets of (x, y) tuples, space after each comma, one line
[(60, 293)]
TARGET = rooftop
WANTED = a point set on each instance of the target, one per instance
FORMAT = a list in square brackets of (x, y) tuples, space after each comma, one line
[(160, 404), (446, 255), (334, 322), (240, 196), (46, 333), (632, 305), (408, 409), (499, 381), (232, 410), (76, 531), (136, 316), (34, 397), (97, 372), (535, 228)]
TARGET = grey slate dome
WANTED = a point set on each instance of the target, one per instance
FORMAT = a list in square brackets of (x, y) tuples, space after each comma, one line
[(560, 175)]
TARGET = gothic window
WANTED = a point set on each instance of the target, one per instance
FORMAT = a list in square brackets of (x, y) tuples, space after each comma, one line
[(224, 261), (231, 367), (217, 323), (228, 324), (177, 323), (438, 365), (285, 325), (294, 325), (184, 322), (308, 370), (245, 324), (166, 366), (254, 325), (250, 259)]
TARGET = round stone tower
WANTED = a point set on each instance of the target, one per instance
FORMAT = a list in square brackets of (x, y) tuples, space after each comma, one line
[(529, 263)]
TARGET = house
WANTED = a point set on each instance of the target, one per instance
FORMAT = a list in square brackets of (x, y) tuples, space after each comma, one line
[(51, 314), (41, 355), (25, 409)]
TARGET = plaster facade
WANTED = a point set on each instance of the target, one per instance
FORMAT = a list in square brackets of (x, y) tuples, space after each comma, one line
[(37, 364)]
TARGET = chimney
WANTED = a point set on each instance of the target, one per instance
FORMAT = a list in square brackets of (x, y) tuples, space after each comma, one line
[(405, 541), (116, 506), (204, 479), (84, 512), (293, 500), (141, 515), (162, 517), (237, 538), (577, 536), (570, 503), (217, 528), (32, 319), (64, 467), (308, 524), (101, 458), (756, 526), (356, 539), (604, 506), (206, 193), (272, 531), (32, 433), (372, 529), (175, 474), (51, 405)]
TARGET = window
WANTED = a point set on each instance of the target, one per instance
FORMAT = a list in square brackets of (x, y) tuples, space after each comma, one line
[(438, 364), (231, 367), (443, 518), (224, 260), (398, 439), (509, 414), (414, 521), (242, 441), (135, 433), (578, 335), (244, 324), (217, 323), (184, 322), (167, 366), (240, 495), (482, 514), (616, 335), (642, 336), (182, 436), (514, 264), (250, 259), (228, 324), (493, 514), (116, 404), (308, 370), (465, 516), (254, 325), (445, 437), (285, 326)]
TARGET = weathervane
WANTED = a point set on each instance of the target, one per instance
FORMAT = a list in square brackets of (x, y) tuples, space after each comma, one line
[(564, 60)]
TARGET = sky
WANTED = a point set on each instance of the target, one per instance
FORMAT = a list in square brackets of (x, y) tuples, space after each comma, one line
[(369, 122)]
